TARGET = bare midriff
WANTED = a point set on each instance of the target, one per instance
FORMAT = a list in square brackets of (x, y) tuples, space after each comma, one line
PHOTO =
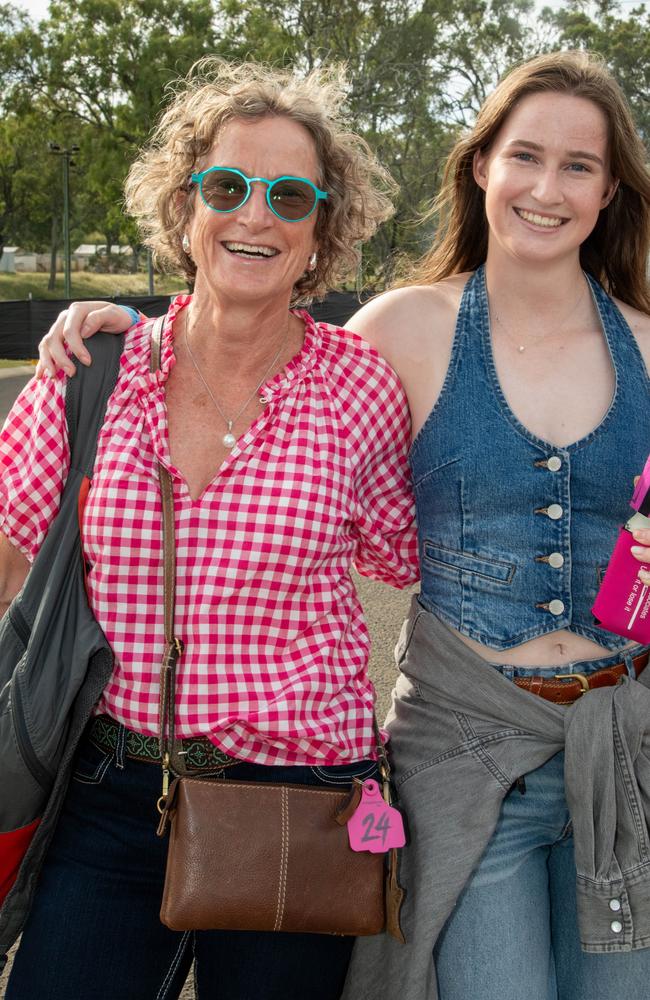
[(550, 650)]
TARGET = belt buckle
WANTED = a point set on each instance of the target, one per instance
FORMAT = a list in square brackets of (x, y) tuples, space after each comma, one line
[(584, 680)]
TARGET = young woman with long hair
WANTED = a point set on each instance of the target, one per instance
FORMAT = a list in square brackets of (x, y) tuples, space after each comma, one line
[(523, 341)]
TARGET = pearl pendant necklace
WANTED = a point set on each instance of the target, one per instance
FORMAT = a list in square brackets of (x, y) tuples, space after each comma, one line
[(229, 440)]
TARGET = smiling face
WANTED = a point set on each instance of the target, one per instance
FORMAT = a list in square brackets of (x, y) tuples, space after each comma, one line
[(546, 177), (250, 255)]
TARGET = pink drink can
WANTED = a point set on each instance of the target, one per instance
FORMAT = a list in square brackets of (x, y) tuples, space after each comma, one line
[(623, 601)]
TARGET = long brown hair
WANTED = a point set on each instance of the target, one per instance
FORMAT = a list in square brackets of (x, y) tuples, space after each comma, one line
[(616, 251)]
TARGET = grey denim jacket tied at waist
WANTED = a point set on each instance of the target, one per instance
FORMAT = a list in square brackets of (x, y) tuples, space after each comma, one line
[(461, 735)]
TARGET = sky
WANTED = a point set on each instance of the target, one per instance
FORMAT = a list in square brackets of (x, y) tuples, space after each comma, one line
[(36, 8)]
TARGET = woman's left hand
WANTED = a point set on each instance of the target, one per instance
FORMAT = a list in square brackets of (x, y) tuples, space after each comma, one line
[(641, 551)]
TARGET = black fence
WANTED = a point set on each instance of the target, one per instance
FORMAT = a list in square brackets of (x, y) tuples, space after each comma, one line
[(23, 323)]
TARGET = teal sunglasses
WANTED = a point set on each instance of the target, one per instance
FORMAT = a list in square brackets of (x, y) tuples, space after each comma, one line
[(225, 189)]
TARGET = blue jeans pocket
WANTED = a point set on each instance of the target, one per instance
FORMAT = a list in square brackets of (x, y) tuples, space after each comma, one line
[(91, 763), (344, 774)]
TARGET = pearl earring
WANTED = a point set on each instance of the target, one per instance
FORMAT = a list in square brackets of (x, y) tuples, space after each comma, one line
[(311, 264), (185, 243)]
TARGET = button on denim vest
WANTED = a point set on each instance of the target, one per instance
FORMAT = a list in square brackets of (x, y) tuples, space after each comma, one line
[(516, 533)]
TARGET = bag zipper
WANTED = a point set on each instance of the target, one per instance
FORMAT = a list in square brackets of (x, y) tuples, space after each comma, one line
[(31, 761), (33, 764)]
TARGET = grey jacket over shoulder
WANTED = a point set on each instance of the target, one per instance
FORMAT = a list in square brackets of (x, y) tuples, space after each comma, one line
[(461, 735), (54, 658)]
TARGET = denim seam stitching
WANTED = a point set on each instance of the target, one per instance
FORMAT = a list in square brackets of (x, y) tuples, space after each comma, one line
[(432, 472), (469, 556), (433, 607), (618, 884), (401, 656), (460, 336), (176, 960), (477, 749), (343, 779), (459, 750), (621, 764), (98, 775)]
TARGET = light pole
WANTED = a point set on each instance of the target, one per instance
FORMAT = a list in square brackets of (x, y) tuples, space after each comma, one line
[(67, 162)]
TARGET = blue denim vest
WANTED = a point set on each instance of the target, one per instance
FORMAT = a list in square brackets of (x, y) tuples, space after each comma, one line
[(515, 533)]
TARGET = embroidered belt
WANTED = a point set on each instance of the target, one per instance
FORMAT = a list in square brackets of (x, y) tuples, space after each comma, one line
[(199, 752), (564, 689)]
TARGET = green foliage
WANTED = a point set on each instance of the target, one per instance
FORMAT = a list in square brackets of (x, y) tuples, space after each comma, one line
[(624, 42), (96, 73), (29, 181), (106, 63)]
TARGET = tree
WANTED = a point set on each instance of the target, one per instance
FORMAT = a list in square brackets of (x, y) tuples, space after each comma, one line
[(106, 63), (623, 41), (97, 73), (418, 70), (28, 179)]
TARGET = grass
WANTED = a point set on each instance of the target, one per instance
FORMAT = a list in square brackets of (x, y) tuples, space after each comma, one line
[(85, 285), (11, 363)]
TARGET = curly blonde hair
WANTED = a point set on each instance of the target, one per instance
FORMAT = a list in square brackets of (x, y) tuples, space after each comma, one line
[(216, 92)]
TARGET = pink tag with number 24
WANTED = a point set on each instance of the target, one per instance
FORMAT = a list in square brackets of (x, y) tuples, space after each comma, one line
[(375, 826)]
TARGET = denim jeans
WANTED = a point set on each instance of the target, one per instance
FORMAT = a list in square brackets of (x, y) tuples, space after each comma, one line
[(94, 932), (513, 934)]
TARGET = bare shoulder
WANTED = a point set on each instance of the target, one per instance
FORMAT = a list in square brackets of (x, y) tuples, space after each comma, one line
[(413, 329), (411, 322), (639, 323)]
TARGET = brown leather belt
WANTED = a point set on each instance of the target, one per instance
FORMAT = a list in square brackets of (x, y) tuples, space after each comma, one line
[(564, 689)]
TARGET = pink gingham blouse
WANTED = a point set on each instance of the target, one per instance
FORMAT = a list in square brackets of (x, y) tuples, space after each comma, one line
[(275, 663)]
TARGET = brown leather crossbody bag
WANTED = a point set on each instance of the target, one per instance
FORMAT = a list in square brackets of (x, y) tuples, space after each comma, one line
[(256, 855)]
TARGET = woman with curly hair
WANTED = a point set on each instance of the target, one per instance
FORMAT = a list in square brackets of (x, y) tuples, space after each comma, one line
[(286, 443)]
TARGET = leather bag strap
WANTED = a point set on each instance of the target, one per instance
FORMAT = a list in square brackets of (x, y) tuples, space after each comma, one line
[(173, 645)]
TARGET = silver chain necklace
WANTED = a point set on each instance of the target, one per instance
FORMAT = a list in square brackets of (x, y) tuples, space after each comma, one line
[(229, 440)]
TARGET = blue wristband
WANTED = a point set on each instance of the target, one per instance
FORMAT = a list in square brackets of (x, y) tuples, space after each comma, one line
[(133, 313)]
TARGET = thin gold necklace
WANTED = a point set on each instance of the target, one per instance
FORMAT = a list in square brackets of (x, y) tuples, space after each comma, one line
[(229, 440), (537, 340)]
